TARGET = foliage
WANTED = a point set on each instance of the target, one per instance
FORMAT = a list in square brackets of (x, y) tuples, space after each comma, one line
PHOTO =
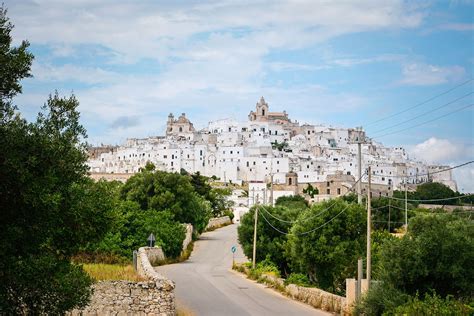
[(436, 254), (279, 146), (49, 208), (385, 210), (433, 304), (298, 279), (435, 190), (131, 228), (310, 190), (173, 192), (378, 239), (269, 242), (15, 63), (379, 299), (326, 241), (350, 198), (100, 272), (266, 266), (292, 202)]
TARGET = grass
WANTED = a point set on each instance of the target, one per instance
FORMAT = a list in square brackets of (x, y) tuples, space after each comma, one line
[(103, 272)]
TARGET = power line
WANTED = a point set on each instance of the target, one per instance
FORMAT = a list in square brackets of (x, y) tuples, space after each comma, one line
[(426, 122), (318, 214), (420, 104), (309, 231), (432, 200), (422, 174), (422, 114)]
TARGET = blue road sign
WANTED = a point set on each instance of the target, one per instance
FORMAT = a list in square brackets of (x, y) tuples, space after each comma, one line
[(234, 249)]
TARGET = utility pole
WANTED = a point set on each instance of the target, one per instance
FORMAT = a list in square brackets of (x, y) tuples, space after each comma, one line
[(359, 167), (255, 237), (271, 189), (265, 194), (369, 224), (389, 202), (406, 204)]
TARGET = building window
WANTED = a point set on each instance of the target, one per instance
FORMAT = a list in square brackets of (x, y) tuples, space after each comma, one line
[(338, 191), (180, 129), (328, 191), (254, 163), (289, 181), (248, 164), (327, 183)]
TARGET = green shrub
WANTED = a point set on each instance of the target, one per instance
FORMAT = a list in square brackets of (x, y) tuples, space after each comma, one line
[(380, 298), (264, 267), (433, 305), (298, 279)]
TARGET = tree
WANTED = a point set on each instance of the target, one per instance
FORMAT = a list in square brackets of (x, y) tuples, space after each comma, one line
[(15, 63), (292, 202), (49, 208), (385, 210), (433, 191), (436, 254), (326, 242), (270, 242), (166, 191), (310, 190)]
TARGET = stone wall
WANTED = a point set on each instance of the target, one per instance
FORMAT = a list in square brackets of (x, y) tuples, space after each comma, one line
[(155, 296), (129, 298), (188, 237), (310, 295), (218, 221)]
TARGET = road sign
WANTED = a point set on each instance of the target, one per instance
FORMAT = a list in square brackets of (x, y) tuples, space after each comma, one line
[(151, 240), (233, 249)]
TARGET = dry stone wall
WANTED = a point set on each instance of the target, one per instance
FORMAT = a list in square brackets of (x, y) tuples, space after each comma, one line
[(218, 221), (155, 296)]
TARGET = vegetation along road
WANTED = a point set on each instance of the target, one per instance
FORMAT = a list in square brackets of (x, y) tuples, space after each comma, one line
[(206, 285)]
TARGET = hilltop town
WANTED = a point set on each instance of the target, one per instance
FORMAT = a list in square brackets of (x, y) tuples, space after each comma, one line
[(269, 147)]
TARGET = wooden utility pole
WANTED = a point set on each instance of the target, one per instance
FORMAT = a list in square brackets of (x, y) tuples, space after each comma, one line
[(406, 204), (255, 237), (369, 230), (389, 202), (359, 168)]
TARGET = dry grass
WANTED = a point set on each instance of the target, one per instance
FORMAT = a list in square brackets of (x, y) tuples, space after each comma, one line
[(102, 272)]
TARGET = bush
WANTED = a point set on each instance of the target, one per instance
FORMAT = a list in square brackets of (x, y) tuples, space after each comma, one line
[(433, 305), (264, 267), (379, 299), (436, 254), (298, 279)]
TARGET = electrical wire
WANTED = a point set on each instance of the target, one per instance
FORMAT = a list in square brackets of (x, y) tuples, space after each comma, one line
[(425, 122), (420, 104), (318, 214), (422, 114), (423, 174), (309, 231), (432, 200)]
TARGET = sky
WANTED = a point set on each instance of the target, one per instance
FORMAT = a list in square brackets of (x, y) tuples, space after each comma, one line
[(339, 63)]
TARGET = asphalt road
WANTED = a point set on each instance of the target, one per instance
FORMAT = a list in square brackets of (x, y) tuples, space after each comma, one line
[(206, 285)]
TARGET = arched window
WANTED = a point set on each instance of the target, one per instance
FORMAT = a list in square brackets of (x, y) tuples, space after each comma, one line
[(263, 112), (289, 181)]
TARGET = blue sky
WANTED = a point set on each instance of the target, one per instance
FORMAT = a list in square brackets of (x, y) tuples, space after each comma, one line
[(341, 63)]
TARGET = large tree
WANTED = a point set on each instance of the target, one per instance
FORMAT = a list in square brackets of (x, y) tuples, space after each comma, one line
[(48, 206), (326, 241), (15, 63), (166, 191)]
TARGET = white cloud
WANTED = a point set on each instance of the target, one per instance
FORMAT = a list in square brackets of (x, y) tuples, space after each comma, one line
[(420, 74), (443, 151), (435, 150), (69, 72), (156, 30)]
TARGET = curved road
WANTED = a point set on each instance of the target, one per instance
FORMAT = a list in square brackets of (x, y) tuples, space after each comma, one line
[(206, 285)]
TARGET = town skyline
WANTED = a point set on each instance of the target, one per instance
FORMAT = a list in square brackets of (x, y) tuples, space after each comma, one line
[(214, 60)]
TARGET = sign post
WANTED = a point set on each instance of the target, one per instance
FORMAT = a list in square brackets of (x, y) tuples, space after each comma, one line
[(151, 240), (233, 249)]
